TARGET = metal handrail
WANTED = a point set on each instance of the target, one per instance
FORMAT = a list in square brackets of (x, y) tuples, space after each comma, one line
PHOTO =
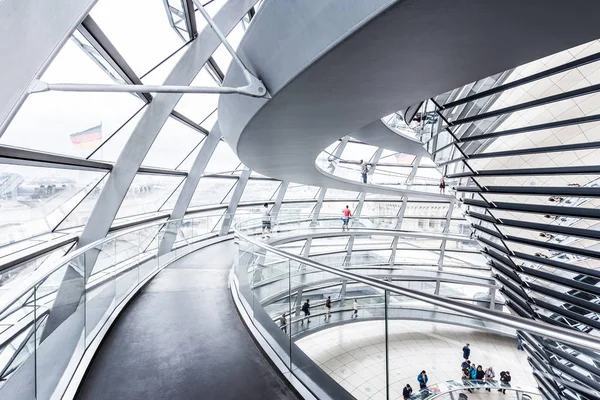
[(555, 332), (18, 292)]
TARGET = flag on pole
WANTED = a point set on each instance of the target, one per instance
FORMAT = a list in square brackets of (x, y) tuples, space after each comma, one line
[(88, 139)]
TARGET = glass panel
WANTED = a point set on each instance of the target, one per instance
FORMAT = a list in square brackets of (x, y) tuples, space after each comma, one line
[(211, 191), (172, 145), (296, 191), (256, 190), (34, 200), (143, 42), (222, 160), (198, 106), (80, 214), (73, 123), (147, 193)]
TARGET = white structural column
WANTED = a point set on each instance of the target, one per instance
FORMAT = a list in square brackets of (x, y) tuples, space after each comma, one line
[(398, 226), (29, 41), (189, 188), (279, 199), (234, 201)]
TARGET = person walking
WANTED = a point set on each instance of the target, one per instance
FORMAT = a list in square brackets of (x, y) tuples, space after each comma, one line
[(466, 351), (266, 219), (283, 323), (489, 376), (519, 344), (407, 391), (364, 170), (355, 307), (306, 310), (422, 379), (328, 307), (442, 185), (346, 218), (505, 379)]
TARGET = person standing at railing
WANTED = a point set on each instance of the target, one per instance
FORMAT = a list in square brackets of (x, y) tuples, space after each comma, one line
[(306, 310), (346, 218), (407, 391), (423, 379), (364, 170), (355, 307), (266, 219), (489, 376), (442, 185), (283, 323), (328, 307), (479, 374), (505, 379)]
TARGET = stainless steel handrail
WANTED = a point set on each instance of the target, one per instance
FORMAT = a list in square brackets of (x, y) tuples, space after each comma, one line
[(555, 332), (17, 293)]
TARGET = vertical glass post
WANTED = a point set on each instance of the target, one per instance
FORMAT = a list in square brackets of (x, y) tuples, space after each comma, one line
[(387, 353), (289, 323)]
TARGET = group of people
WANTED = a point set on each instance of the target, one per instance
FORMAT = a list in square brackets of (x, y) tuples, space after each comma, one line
[(306, 311), (422, 378), (472, 372)]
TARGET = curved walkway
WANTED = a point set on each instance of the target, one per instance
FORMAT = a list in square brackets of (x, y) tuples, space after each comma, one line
[(336, 68), (181, 338)]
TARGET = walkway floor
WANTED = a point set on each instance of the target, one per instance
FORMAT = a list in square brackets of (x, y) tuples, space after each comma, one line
[(181, 338)]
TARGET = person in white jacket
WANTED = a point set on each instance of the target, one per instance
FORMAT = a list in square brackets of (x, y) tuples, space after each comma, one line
[(355, 307), (489, 376)]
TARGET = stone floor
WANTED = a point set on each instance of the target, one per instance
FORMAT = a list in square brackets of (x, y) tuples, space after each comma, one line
[(354, 355)]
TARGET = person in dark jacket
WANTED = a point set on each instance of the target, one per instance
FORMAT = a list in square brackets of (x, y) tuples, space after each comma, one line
[(306, 310), (505, 379), (422, 379), (283, 323), (407, 391), (466, 352), (479, 374), (466, 374), (328, 307)]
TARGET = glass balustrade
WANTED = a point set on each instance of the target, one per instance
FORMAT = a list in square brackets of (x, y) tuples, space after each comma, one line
[(51, 317), (274, 288)]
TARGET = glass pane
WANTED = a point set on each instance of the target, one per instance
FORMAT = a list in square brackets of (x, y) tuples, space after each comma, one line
[(222, 160), (34, 200), (198, 106), (143, 42), (211, 191), (73, 123), (172, 145), (147, 193), (256, 190), (80, 214)]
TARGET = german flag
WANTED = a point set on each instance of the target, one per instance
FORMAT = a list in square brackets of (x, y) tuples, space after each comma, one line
[(88, 139)]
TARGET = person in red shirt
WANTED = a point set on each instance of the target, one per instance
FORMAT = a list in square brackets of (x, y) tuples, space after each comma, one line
[(346, 218)]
